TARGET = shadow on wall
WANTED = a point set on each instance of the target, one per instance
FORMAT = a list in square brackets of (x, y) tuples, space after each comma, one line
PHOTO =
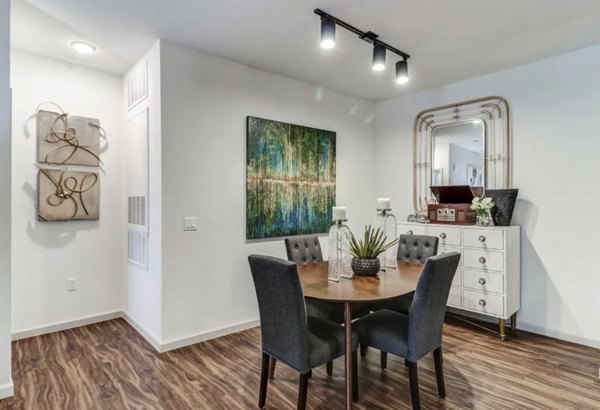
[(541, 304)]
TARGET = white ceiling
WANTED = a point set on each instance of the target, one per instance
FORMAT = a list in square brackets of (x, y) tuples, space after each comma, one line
[(449, 41)]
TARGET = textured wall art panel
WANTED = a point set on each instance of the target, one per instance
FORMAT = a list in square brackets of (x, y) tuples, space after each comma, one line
[(68, 139), (290, 179), (68, 195)]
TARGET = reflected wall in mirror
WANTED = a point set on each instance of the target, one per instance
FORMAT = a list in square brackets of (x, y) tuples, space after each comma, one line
[(458, 152), (466, 143)]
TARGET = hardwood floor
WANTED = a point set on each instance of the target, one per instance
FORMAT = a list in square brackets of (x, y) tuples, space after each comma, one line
[(109, 366)]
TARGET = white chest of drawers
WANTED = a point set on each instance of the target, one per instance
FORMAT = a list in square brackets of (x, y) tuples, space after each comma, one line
[(488, 279)]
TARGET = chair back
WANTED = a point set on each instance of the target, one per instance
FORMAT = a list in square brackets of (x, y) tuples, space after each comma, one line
[(426, 316), (283, 323), (303, 249), (417, 248)]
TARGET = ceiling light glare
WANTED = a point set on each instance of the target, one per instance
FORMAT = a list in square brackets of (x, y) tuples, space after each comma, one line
[(83, 47)]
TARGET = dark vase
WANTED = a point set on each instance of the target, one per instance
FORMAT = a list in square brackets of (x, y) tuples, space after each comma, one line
[(365, 267), (505, 200)]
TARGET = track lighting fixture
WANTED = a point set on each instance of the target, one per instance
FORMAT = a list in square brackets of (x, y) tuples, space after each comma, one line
[(327, 33), (328, 23), (402, 72), (378, 57)]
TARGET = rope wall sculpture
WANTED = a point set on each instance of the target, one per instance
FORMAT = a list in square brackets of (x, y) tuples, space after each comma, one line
[(61, 195), (63, 139)]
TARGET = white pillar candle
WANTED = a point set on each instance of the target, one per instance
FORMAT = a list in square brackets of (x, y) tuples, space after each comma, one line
[(384, 203), (339, 213)]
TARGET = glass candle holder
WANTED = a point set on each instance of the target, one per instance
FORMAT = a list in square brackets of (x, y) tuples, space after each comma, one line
[(339, 251), (386, 221)]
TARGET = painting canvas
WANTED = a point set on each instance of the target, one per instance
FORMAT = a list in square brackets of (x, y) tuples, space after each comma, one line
[(290, 179), (68, 139), (68, 195)]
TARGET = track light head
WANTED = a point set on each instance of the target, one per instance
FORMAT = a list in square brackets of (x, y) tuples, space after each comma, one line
[(402, 72), (378, 57), (327, 32)]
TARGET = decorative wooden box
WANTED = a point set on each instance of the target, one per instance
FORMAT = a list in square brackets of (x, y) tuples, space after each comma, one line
[(454, 205)]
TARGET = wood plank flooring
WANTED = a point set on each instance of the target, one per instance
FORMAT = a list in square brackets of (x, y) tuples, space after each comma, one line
[(110, 366)]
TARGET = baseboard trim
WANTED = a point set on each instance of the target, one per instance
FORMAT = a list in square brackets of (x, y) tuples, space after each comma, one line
[(528, 327), (69, 324), (7, 390), (213, 334), (149, 338)]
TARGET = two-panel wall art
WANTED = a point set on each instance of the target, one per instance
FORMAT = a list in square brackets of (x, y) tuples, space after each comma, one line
[(68, 145)]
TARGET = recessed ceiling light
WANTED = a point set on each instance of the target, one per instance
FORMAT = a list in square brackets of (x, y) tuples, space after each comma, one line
[(83, 47)]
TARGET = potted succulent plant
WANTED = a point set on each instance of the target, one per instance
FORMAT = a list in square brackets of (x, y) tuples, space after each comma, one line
[(365, 252)]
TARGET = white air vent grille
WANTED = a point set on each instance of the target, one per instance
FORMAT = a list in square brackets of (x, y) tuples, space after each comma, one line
[(137, 210), (137, 248), (137, 85)]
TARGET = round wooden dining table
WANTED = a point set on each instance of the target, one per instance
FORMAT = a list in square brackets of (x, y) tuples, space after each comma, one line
[(391, 283)]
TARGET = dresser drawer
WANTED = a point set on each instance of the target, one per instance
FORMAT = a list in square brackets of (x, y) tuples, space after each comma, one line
[(483, 302), (483, 259), (483, 281), (483, 238), (448, 235), (447, 249), (455, 297), (411, 229)]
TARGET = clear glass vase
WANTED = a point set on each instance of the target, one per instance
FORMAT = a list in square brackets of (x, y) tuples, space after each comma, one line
[(485, 219), (339, 252), (386, 221)]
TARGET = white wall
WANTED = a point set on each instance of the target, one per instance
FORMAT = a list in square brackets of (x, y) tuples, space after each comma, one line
[(5, 220), (556, 142), (459, 159), (205, 100), (45, 254), (143, 288)]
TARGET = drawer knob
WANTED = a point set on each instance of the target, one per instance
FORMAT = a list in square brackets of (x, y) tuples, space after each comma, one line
[(482, 281), (482, 302), (481, 238), (409, 232), (482, 259), (443, 235)]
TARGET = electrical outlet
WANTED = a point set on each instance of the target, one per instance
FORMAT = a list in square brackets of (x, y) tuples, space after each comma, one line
[(71, 285), (189, 223)]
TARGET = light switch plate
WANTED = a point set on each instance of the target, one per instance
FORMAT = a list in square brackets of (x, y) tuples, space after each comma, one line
[(189, 223)]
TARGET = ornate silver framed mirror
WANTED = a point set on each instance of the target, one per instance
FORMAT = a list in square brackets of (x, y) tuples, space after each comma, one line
[(467, 143)]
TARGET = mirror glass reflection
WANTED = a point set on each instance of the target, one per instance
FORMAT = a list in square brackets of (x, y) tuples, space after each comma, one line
[(458, 152)]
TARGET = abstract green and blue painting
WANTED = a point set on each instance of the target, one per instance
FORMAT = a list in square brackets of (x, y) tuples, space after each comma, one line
[(290, 179)]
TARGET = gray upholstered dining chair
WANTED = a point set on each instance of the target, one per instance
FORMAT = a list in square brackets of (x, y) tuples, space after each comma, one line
[(411, 248), (288, 335), (414, 335)]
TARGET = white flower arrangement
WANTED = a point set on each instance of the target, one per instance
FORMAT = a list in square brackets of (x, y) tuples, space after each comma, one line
[(482, 206)]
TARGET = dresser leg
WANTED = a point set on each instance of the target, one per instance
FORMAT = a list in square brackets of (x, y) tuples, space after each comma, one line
[(513, 322), (502, 326)]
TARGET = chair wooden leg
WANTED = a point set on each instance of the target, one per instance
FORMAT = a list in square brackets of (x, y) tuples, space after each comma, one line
[(272, 364), (302, 390), (383, 360), (439, 371), (354, 376), (330, 368), (414, 385), (264, 380), (363, 351), (309, 374)]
